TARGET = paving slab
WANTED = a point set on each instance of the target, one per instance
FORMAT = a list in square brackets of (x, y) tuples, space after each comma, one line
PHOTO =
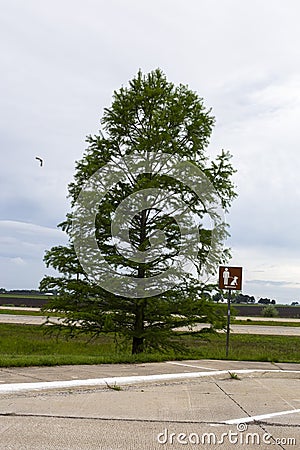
[(71, 434), (259, 409), (73, 372)]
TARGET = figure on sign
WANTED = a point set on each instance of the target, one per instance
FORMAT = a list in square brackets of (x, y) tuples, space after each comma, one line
[(226, 276), (234, 281)]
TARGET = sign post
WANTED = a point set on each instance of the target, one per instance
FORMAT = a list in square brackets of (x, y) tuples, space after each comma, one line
[(230, 278), (228, 322)]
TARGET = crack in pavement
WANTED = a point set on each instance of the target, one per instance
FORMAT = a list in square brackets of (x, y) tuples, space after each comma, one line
[(122, 419), (260, 424), (9, 372)]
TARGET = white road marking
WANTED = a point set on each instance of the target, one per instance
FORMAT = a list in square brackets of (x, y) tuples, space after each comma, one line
[(189, 365), (261, 417), (17, 387)]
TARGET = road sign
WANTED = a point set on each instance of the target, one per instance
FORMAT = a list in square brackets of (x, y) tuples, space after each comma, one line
[(230, 278)]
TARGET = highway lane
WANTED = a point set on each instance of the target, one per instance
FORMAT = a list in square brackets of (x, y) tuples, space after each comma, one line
[(237, 329), (25, 319)]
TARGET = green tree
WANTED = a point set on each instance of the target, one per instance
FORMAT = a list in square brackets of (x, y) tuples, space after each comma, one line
[(150, 115)]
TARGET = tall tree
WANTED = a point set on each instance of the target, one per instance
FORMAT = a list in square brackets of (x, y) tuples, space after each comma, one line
[(148, 165)]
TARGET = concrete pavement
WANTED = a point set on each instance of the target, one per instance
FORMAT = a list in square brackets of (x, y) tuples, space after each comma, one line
[(213, 410)]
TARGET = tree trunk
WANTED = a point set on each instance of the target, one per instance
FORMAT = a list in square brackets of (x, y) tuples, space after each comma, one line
[(138, 338), (137, 345)]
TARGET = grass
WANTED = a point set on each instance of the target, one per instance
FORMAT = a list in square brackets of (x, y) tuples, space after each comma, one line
[(234, 376), (22, 312), (114, 387), (27, 345), (250, 347), (265, 322), (25, 312)]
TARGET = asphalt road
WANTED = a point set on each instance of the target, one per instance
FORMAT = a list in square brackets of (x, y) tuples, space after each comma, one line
[(238, 329), (171, 405)]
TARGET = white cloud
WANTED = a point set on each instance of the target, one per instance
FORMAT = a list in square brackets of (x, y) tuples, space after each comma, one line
[(17, 260), (22, 250)]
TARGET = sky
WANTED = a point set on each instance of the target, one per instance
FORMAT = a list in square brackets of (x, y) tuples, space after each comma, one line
[(62, 60)]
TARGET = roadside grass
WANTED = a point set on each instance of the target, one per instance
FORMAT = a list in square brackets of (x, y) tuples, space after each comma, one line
[(265, 322), (27, 312), (248, 347), (28, 345), (22, 312)]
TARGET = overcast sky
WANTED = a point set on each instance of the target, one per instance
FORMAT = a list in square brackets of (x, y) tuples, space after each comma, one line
[(62, 60)]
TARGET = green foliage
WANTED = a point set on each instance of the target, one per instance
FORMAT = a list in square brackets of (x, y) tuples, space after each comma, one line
[(269, 311), (234, 376), (114, 387), (149, 115)]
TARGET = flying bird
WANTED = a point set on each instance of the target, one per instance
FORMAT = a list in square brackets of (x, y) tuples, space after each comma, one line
[(40, 160)]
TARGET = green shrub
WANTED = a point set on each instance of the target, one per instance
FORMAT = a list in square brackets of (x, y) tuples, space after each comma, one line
[(269, 311)]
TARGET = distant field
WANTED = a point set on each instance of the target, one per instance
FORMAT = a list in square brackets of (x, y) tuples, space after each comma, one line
[(22, 300), (254, 310), (22, 296)]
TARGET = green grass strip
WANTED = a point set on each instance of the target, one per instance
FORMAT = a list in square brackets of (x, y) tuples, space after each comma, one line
[(27, 345), (271, 323)]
